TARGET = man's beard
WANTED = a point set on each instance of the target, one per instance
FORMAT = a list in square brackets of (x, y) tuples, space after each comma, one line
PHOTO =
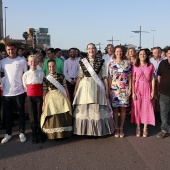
[(72, 56)]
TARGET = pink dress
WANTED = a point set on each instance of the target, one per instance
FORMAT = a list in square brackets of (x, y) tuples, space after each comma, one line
[(142, 107)]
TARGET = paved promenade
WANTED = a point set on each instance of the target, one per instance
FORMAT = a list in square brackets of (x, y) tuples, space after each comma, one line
[(79, 152)]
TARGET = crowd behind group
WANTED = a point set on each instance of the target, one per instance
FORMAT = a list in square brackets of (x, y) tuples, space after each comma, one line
[(84, 95)]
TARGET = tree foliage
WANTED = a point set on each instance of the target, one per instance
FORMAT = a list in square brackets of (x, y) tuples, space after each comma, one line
[(25, 36)]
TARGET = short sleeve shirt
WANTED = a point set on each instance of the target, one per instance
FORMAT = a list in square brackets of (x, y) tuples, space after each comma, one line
[(164, 73), (13, 71)]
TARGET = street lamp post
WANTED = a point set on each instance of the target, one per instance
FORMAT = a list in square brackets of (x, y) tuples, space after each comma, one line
[(153, 36), (112, 40), (5, 24), (140, 31)]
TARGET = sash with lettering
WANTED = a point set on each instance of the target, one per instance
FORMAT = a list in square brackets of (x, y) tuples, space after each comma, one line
[(97, 80), (56, 84)]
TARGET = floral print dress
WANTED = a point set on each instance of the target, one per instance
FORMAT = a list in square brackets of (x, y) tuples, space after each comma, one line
[(119, 84)]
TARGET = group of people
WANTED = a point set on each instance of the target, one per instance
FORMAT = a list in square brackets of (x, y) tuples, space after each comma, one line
[(85, 95)]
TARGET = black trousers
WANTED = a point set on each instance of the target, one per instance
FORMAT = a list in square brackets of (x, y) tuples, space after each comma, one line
[(8, 108), (35, 110), (2, 117), (71, 90)]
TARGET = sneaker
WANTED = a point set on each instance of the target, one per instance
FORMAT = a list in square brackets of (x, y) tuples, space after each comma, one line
[(6, 138), (161, 135), (22, 137)]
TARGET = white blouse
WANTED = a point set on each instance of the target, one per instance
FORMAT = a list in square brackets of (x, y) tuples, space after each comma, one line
[(33, 77)]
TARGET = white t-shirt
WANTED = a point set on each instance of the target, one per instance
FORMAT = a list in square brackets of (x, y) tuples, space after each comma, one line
[(107, 59), (13, 70)]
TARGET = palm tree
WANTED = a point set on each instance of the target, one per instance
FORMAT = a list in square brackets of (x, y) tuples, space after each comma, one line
[(31, 33), (25, 36)]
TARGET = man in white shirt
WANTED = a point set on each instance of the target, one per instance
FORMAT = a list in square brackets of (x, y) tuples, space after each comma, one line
[(71, 67), (155, 60), (108, 57), (13, 90)]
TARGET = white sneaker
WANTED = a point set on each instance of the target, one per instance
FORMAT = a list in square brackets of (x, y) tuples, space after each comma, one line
[(6, 138), (22, 137)]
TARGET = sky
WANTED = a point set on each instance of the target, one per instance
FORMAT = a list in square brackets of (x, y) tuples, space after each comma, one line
[(75, 23)]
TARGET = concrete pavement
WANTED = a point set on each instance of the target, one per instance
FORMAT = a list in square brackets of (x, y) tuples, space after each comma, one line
[(79, 152)]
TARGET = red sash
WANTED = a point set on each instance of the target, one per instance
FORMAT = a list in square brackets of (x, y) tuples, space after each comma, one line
[(34, 90)]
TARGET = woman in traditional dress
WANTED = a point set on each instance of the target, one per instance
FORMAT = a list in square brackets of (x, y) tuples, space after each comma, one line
[(92, 116), (56, 119), (120, 87), (143, 84)]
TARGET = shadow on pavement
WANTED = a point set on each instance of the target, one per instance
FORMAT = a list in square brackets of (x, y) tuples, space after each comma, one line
[(14, 147)]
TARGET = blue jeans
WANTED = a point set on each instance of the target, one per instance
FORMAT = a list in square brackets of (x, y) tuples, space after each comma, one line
[(165, 111)]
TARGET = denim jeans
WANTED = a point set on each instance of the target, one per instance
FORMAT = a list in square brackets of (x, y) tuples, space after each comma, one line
[(165, 111)]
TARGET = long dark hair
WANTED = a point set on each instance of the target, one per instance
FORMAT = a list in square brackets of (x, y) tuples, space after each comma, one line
[(138, 60)]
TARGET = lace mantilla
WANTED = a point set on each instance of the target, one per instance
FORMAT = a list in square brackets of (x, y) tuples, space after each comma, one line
[(61, 129)]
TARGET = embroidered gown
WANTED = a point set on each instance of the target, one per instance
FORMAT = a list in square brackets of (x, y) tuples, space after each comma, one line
[(56, 120), (91, 114)]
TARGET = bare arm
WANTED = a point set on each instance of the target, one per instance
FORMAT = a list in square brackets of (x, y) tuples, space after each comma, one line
[(77, 84), (24, 81), (106, 87), (153, 86), (133, 88), (130, 85), (109, 85), (68, 96)]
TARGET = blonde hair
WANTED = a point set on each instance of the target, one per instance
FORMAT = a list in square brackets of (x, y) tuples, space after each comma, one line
[(32, 56), (127, 53)]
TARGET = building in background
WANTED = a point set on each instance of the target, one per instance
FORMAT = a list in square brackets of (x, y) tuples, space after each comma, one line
[(42, 37), (39, 37), (1, 21)]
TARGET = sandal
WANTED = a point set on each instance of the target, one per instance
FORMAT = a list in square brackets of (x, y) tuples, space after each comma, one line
[(145, 132), (138, 132), (122, 133), (117, 133)]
